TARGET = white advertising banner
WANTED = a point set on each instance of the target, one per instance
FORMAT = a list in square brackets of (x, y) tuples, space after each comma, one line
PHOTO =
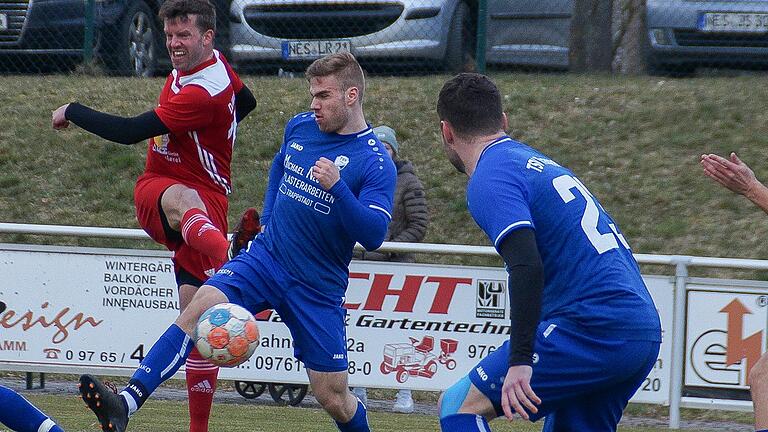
[(412, 326), (725, 332)]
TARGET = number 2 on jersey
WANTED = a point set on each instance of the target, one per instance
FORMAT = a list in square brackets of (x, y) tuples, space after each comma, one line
[(603, 242)]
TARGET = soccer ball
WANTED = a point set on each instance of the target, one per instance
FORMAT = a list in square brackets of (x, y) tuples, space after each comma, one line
[(226, 335)]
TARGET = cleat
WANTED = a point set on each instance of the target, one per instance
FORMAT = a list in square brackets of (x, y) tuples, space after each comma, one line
[(246, 230), (105, 403)]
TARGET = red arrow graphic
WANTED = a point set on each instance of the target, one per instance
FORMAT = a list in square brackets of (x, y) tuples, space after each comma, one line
[(738, 348)]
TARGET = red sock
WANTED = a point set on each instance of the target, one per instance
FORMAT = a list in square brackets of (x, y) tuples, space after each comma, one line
[(199, 232), (201, 384)]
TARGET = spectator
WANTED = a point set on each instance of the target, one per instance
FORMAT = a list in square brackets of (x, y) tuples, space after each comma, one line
[(409, 224), (736, 176), (739, 178)]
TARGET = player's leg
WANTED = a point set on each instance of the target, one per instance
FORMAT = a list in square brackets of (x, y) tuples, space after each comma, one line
[(201, 375), (602, 408), (20, 415), (316, 321), (758, 386), (332, 392), (187, 213), (162, 361), (462, 407)]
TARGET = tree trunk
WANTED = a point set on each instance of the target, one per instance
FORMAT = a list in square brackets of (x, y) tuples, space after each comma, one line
[(630, 37), (591, 47)]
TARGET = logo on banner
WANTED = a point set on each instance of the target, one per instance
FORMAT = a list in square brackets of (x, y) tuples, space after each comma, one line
[(491, 299), (725, 356), (417, 358)]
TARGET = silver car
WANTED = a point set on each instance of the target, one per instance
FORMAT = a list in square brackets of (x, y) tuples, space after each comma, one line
[(686, 34), (529, 32), (433, 32)]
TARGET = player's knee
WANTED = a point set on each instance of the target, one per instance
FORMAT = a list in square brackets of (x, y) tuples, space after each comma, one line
[(758, 375), (452, 399), (332, 402)]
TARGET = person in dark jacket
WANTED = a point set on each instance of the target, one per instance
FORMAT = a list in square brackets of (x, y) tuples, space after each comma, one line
[(410, 218)]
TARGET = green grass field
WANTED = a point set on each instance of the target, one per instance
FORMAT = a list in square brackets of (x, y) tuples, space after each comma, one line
[(634, 141), (171, 416)]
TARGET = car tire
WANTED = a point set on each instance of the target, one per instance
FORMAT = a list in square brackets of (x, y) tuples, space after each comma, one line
[(135, 51), (460, 46)]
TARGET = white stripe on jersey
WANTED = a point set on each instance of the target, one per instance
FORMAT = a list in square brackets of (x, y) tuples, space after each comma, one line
[(509, 227), (375, 207), (209, 164)]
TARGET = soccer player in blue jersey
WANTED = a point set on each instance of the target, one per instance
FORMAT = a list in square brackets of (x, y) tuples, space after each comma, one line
[(21, 416), (331, 184), (585, 332)]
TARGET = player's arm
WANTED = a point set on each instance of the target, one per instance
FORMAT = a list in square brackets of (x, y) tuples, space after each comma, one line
[(244, 103), (122, 130), (273, 184), (365, 217), (526, 282)]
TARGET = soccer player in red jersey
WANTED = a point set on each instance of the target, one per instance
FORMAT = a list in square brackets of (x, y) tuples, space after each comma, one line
[(181, 198)]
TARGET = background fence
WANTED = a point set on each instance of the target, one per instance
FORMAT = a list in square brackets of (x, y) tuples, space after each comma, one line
[(668, 37)]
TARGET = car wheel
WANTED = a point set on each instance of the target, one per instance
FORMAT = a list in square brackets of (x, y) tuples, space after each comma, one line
[(136, 48), (460, 47)]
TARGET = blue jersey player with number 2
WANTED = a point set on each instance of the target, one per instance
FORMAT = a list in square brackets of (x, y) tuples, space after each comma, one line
[(585, 331), (331, 184)]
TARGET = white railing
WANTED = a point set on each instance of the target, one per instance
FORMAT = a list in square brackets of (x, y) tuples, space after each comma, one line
[(681, 264)]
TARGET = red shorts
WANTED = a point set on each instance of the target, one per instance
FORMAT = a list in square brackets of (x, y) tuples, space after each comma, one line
[(149, 188)]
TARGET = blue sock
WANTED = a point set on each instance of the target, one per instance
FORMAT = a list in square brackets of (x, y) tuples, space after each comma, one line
[(162, 361), (359, 422), (20, 415), (464, 422)]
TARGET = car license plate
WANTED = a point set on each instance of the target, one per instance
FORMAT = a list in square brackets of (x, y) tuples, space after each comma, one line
[(733, 22), (314, 49), (3, 22)]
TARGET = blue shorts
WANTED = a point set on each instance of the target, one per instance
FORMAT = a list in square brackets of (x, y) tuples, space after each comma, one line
[(584, 382), (316, 319)]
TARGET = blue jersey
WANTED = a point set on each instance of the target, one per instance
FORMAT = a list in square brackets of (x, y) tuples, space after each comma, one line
[(304, 231), (590, 275)]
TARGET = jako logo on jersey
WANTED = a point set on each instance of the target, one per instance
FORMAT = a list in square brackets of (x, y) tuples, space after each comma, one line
[(145, 368), (202, 387), (338, 356), (297, 146), (341, 161), (481, 372)]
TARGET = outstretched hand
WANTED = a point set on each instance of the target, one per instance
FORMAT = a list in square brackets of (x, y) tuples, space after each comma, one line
[(326, 173), (59, 119), (517, 394), (733, 174)]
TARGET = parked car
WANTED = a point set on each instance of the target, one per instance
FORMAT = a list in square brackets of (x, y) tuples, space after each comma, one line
[(529, 32), (438, 33), (128, 35), (686, 34)]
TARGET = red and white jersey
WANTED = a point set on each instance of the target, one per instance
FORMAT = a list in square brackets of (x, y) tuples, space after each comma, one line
[(198, 107)]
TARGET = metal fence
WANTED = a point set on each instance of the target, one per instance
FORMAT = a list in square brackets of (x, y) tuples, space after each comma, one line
[(125, 37)]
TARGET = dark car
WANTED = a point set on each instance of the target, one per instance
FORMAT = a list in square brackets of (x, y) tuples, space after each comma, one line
[(127, 34)]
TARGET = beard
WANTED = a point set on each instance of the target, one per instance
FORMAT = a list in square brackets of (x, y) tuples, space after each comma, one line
[(334, 122), (453, 157)]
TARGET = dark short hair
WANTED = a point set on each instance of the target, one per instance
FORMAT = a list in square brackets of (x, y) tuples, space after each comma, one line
[(343, 66), (471, 103), (180, 9)]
